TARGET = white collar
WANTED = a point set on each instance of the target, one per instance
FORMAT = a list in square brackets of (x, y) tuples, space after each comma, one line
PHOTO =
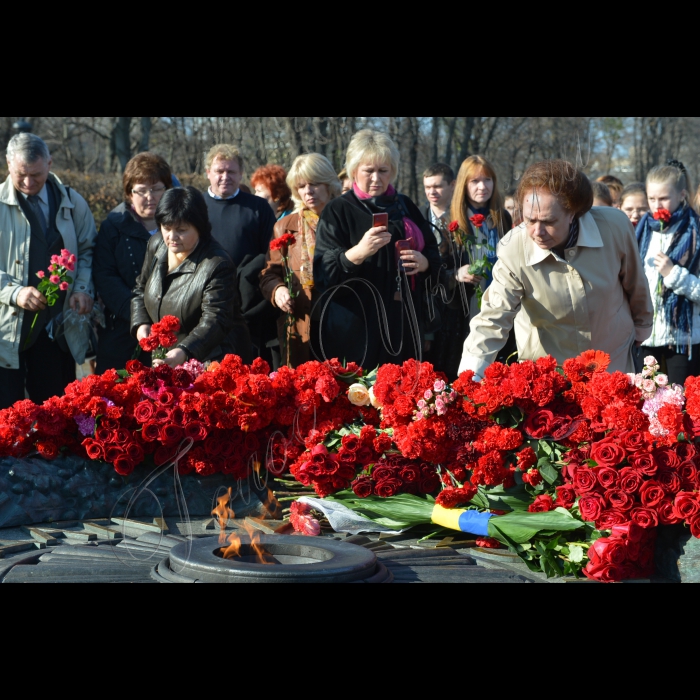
[(43, 195), (221, 199)]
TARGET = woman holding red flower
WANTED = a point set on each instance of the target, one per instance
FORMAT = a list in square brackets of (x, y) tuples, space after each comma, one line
[(477, 208), (188, 276), (314, 183), (669, 242)]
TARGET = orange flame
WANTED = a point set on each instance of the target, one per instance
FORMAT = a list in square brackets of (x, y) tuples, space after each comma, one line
[(223, 513), (233, 551)]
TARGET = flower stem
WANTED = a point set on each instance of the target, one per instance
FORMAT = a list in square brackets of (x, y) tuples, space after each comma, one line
[(31, 330)]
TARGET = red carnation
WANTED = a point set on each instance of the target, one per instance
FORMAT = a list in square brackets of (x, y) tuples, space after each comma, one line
[(453, 498), (170, 324), (663, 215), (488, 543), (282, 243)]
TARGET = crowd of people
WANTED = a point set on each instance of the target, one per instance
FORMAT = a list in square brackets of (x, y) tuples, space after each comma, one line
[(315, 264)]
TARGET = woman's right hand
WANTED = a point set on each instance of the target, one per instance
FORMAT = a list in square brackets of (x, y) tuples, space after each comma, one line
[(283, 300), (463, 275), (372, 242), (143, 333)]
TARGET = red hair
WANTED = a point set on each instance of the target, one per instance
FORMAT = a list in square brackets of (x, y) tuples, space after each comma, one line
[(274, 177)]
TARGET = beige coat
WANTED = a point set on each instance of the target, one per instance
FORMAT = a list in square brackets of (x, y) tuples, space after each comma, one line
[(596, 299), (77, 227)]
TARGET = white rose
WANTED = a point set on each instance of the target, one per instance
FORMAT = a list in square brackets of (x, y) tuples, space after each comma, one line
[(374, 400), (359, 395)]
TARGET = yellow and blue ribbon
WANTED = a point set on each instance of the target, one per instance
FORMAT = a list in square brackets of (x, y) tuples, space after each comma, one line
[(470, 521)]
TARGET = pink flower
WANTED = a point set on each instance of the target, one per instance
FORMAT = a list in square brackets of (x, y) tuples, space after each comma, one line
[(41, 274), (439, 386), (650, 361), (662, 380), (55, 279), (649, 386), (428, 395), (64, 287), (422, 404), (55, 260)]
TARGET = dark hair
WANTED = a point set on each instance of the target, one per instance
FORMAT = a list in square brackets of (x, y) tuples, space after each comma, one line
[(561, 179), (440, 169), (184, 205), (632, 189), (146, 169), (602, 191)]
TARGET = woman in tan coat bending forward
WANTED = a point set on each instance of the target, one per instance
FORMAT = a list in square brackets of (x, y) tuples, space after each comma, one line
[(569, 279)]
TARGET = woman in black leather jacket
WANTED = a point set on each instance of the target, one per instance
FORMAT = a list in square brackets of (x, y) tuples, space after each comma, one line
[(188, 275), (120, 250)]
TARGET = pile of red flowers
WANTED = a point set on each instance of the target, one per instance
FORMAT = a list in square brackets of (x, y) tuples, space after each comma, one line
[(393, 475), (626, 555)]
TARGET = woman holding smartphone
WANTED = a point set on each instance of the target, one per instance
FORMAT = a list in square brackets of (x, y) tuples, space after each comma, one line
[(376, 260)]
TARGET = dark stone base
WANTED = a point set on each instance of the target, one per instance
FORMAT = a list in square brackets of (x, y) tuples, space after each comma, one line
[(678, 555), (36, 491)]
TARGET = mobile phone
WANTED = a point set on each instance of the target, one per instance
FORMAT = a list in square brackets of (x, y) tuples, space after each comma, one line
[(380, 220), (402, 246)]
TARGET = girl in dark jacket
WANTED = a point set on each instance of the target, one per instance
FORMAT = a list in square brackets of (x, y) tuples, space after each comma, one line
[(188, 275), (120, 251)]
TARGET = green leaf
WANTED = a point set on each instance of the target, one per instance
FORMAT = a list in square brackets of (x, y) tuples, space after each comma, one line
[(546, 448), (549, 473), (399, 512), (576, 554), (523, 527)]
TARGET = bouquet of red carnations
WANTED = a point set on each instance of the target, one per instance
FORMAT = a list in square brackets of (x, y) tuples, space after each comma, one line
[(162, 338)]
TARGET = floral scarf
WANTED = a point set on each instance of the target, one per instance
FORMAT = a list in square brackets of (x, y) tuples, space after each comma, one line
[(308, 221)]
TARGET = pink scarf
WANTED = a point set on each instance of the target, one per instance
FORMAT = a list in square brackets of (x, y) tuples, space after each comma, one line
[(411, 228)]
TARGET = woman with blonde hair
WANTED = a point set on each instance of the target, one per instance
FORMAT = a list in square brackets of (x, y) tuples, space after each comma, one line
[(476, 195), (376, 260), (313, 183)]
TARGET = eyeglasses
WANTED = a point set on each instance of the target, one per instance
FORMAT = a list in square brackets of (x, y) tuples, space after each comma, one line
[(155, 191)]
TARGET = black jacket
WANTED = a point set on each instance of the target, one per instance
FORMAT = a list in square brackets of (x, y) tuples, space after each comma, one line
[(202, 293), (351, 325), (120, 250)]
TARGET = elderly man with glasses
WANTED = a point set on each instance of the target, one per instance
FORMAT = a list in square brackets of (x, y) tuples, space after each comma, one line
[(40, 217)]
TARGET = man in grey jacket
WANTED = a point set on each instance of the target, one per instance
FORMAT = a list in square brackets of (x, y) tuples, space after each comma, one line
[(39, 218)]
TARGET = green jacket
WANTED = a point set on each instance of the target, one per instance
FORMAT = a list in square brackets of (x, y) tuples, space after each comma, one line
[(77, 226)]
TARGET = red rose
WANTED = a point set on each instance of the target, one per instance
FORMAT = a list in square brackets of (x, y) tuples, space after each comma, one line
[(93, 449), (609, 519), (667, 458), (411, 475), (388, 488), (695, 527), (608, 551), (454, 227), (645, 518), (383, 443), (585, 480), (48, 449), (630, 480), (429, 484), (566, 497), (112, 453), (630, 532), (363, 487), (652, 494), (351, 443), (620, 500), (644, 463), (134, 367), (478, 220), (667, 513), (592, 507), (171, 434), (539, 425), (633, 441), (607, 477), (197, 431), (542, 504), (151, 432), (144, 412), (124, 466), (687, 506), (669, 481), (605, 573), (533, 477), (608, 454)]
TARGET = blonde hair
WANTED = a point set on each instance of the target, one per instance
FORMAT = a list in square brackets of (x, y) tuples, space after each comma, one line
[(316, 169), (473, 166), (370, 146), (224, 151), (669, 174)]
